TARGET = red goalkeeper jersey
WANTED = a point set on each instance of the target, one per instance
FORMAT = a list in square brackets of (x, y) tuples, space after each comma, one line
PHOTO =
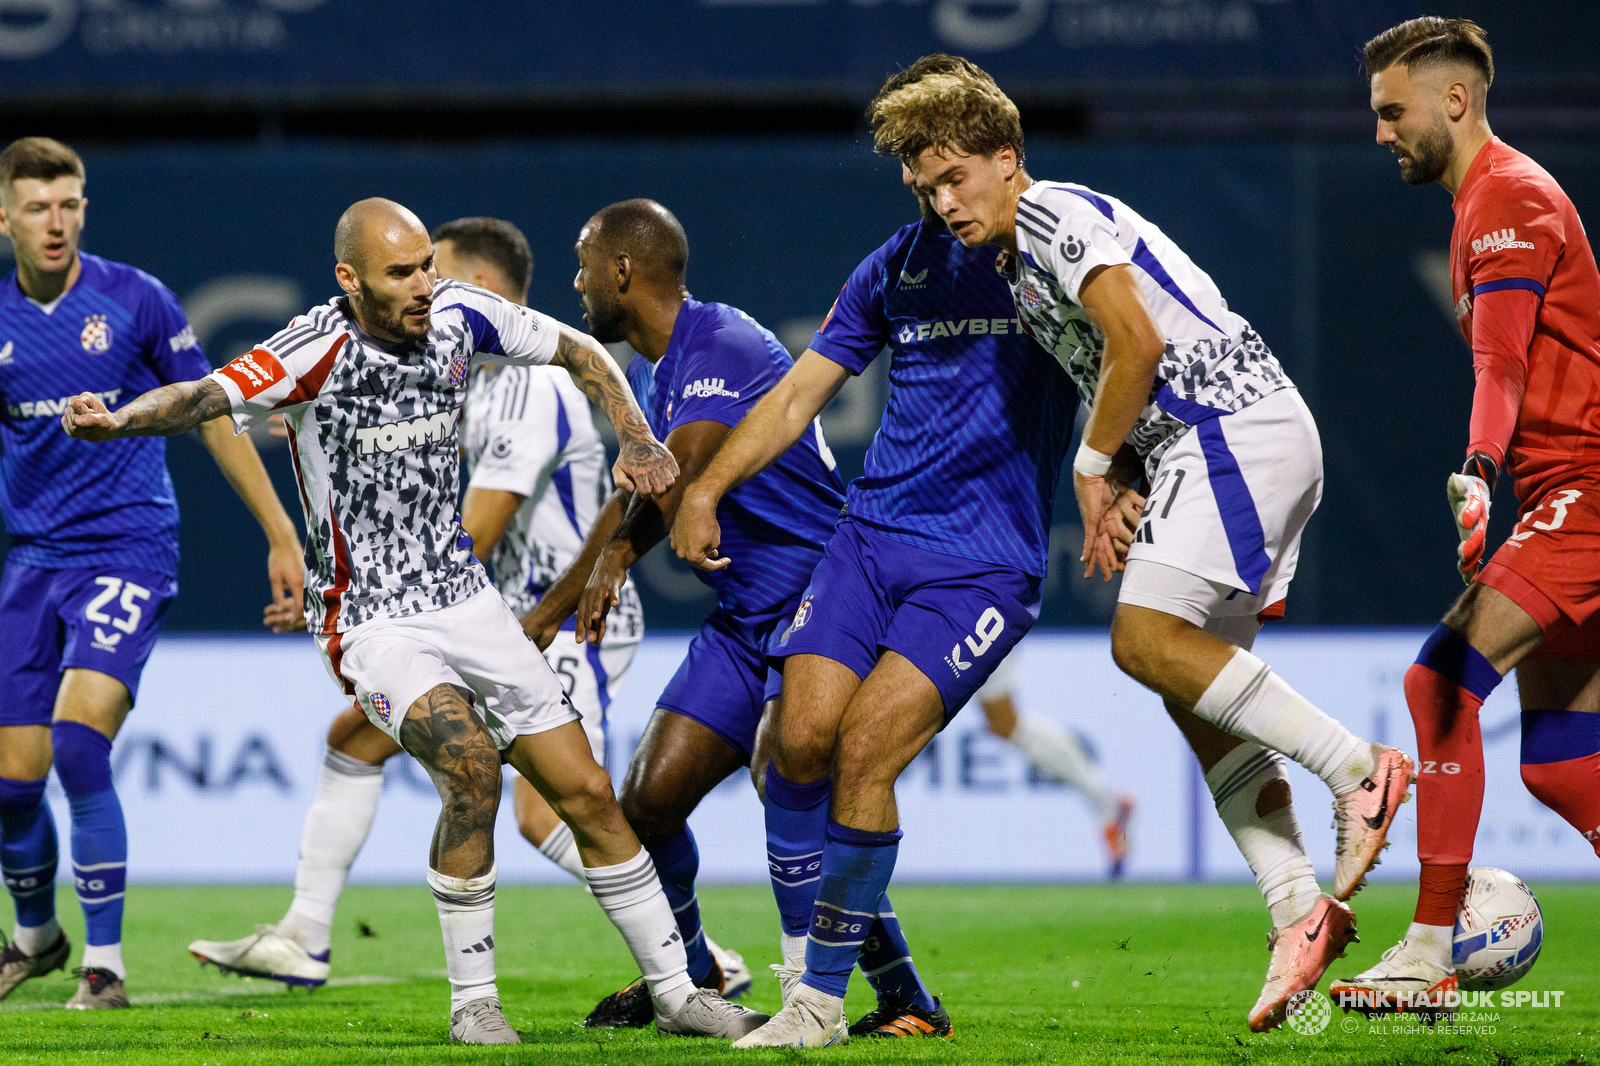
[(1516, 233)]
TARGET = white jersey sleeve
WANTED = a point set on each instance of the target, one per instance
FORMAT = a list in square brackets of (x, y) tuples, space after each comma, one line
[(1069, 238), (502, 332), (283, 374), (521, 443)]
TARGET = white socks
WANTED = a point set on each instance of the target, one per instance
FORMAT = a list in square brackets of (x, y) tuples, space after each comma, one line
[(1058, 754), (1433, 941), (466, 918), (1271, 844), (105, 957), (32, 939), (336, 826), (1248, 700), (631, 894), (560, 848)]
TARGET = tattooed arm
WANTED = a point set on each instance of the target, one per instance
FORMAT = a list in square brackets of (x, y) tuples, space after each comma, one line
[(644, 464), (163, 412)]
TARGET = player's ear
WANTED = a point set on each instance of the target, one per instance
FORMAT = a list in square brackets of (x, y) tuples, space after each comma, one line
[(624, 269), (1457, 100), (345, 275)]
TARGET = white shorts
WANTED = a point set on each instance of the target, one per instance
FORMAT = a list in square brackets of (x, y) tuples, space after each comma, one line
[(590, 677), (1223, 520), (477, 644)]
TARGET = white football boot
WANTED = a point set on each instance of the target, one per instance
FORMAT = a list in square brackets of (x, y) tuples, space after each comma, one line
[(1408, 972), (708, 1014), (736, 976), (812, 1019), (793, 966), (481, 1022), (265, 954)]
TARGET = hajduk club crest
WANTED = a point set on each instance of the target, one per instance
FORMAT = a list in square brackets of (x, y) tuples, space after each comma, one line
[(458, 369)]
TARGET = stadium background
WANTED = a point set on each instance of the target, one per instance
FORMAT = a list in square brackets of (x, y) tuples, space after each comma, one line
[(223, 137)]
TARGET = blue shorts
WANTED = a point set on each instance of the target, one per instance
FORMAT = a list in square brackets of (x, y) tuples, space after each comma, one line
[(724, 683), (954, 618), (103, 618)]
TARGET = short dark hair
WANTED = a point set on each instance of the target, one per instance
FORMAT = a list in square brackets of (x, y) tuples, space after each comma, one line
[(1431, 39), (39, 158), (495, 241), (943, 102), (648, 232)]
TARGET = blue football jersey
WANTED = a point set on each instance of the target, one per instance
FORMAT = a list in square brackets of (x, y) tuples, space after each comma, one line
[(979, 416), (719, 362), (118, 333)]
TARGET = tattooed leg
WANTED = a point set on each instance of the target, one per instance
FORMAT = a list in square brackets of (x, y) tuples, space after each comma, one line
[(444, 735)]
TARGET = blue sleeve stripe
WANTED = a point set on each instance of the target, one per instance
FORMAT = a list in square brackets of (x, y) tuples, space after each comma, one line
[(1146, 260), (1100, 204), (485, 338), (1509, 283), (1041, 208), (1448, 654), (1556, 736)]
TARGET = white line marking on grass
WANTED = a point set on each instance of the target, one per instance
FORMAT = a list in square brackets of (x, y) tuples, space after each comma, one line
[(224, 992)]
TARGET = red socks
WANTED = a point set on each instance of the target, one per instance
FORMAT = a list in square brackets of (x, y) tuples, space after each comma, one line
[(1444, 689), (1561, 766)]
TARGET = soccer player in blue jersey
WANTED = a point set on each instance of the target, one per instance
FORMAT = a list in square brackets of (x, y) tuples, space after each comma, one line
[(700, 368), (94, 554), (932, 577)]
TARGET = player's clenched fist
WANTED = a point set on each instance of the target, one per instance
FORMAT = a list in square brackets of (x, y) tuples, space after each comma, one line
[(645, 466), (1469, 502), (88, 419), (696, 534)]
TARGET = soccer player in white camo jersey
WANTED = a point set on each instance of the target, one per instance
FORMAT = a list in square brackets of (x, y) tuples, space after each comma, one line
[(537, 475), (1177, 380), (371, 386)]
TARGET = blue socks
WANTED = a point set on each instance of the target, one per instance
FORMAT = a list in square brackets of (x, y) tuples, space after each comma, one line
[(28, 852), (797, 819), (677, 862), (856, 867), (886, 960), (99, 836)]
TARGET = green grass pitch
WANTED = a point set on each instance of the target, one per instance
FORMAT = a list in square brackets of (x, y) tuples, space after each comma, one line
[(1096, 974)]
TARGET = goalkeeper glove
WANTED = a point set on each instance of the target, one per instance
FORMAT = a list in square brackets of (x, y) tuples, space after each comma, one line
[(1469, 502)]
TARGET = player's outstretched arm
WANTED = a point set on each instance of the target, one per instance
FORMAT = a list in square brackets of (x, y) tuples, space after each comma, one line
[(643, 463), (163, 412), (560, 601), (645, 525), (239, 462), (771, 427), (1134, 346)]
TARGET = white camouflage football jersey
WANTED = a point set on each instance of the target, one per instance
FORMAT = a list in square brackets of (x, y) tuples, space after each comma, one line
[(372, 434), (1214, 362), (528, 430)]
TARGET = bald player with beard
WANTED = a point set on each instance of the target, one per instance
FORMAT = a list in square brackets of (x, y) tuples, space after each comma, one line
[(371, 385)]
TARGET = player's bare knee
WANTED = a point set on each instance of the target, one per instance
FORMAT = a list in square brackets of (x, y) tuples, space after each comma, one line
[(587, 799), (803, 751)]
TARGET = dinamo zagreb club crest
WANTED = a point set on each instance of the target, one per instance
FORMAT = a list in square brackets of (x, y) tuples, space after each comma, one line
[(96, 335)]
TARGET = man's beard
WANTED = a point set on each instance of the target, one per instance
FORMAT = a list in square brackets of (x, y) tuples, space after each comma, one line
[(1429, 156), (605, 323), (386, 317)]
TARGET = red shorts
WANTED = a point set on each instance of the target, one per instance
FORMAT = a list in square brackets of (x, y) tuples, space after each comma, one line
[(1550, 567)]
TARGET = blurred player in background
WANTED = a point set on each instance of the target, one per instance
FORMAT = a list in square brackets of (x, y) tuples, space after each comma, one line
[(1236, 472), (370, 385), (94, 554), (1528, 300), (537, 477), (699, 368), (933, 576), (1059, 754)]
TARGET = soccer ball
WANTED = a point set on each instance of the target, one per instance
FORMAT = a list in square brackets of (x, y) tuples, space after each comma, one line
[(1499, 931)]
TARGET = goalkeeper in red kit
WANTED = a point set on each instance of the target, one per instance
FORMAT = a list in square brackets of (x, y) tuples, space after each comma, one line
[(1528, 299)]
